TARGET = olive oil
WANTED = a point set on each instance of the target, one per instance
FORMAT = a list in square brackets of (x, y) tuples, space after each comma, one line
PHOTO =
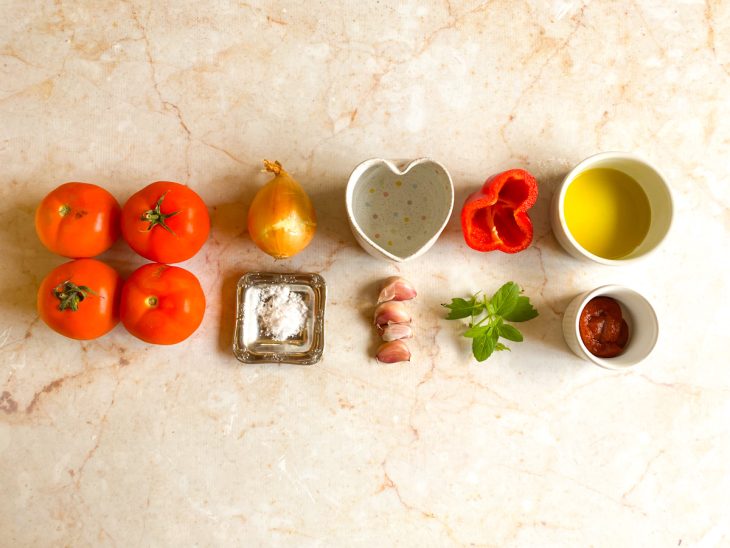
[(607, 212)]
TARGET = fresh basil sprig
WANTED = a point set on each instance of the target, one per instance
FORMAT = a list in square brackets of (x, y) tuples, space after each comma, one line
[(488, 316)]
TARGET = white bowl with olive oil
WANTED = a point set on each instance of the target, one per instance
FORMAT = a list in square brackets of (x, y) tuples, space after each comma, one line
[(612, 208)]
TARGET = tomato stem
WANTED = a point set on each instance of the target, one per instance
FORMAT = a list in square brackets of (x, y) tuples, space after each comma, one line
[(64, 210), (70, 295), (155, 217)]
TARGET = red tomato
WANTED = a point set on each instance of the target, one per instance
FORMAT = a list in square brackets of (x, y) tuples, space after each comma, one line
[(80, 299), (165, 222), (162, 304), (78, 220)]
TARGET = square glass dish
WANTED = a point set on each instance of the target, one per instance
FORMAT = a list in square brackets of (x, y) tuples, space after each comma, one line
[(252, 341)]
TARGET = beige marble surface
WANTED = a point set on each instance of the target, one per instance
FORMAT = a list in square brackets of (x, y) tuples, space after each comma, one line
[(118, 443)]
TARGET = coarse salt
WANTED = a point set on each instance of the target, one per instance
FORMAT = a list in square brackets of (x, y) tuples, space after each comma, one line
[(281, 312)]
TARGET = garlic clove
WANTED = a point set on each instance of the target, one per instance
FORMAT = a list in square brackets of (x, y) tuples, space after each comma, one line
[(393, 352), (391, 312), (396, 288), (395, 331)]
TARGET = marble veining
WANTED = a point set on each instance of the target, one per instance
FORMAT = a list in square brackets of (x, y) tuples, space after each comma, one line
[(115, 442)]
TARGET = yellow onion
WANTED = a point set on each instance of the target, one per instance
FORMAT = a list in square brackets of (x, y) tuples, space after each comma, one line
[(281, 219)]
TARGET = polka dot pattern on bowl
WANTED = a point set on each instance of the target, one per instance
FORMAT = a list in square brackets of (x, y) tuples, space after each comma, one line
[(401, 212)]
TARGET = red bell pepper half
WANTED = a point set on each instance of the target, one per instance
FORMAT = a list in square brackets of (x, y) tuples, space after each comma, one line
[(495, 217)]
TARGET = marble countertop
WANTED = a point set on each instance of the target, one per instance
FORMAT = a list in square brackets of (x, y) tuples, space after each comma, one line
[(115, 442)]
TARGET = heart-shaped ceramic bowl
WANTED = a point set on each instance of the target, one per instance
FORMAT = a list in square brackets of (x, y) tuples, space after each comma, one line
[(398, 208)]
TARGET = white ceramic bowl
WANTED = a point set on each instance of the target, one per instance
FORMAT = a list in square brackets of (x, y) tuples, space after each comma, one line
[(652, 182), (639, 315), (398, 209)]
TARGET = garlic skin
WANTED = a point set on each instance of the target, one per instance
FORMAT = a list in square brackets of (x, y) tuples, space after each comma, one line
[(396, 288), (391, 312), (393, 352), (395, 331)]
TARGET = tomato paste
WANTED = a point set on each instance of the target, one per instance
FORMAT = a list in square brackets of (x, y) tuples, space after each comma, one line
[(603, 330)]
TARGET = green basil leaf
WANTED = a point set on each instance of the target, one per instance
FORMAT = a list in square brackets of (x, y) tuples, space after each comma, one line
[(505, 299), (475, 331), (500, 346), (510, 333), (483, 346), (460, 308), (522, 311)]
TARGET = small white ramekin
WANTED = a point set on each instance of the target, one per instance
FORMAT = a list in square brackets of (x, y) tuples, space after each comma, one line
[(639, 315), (651, 180)]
